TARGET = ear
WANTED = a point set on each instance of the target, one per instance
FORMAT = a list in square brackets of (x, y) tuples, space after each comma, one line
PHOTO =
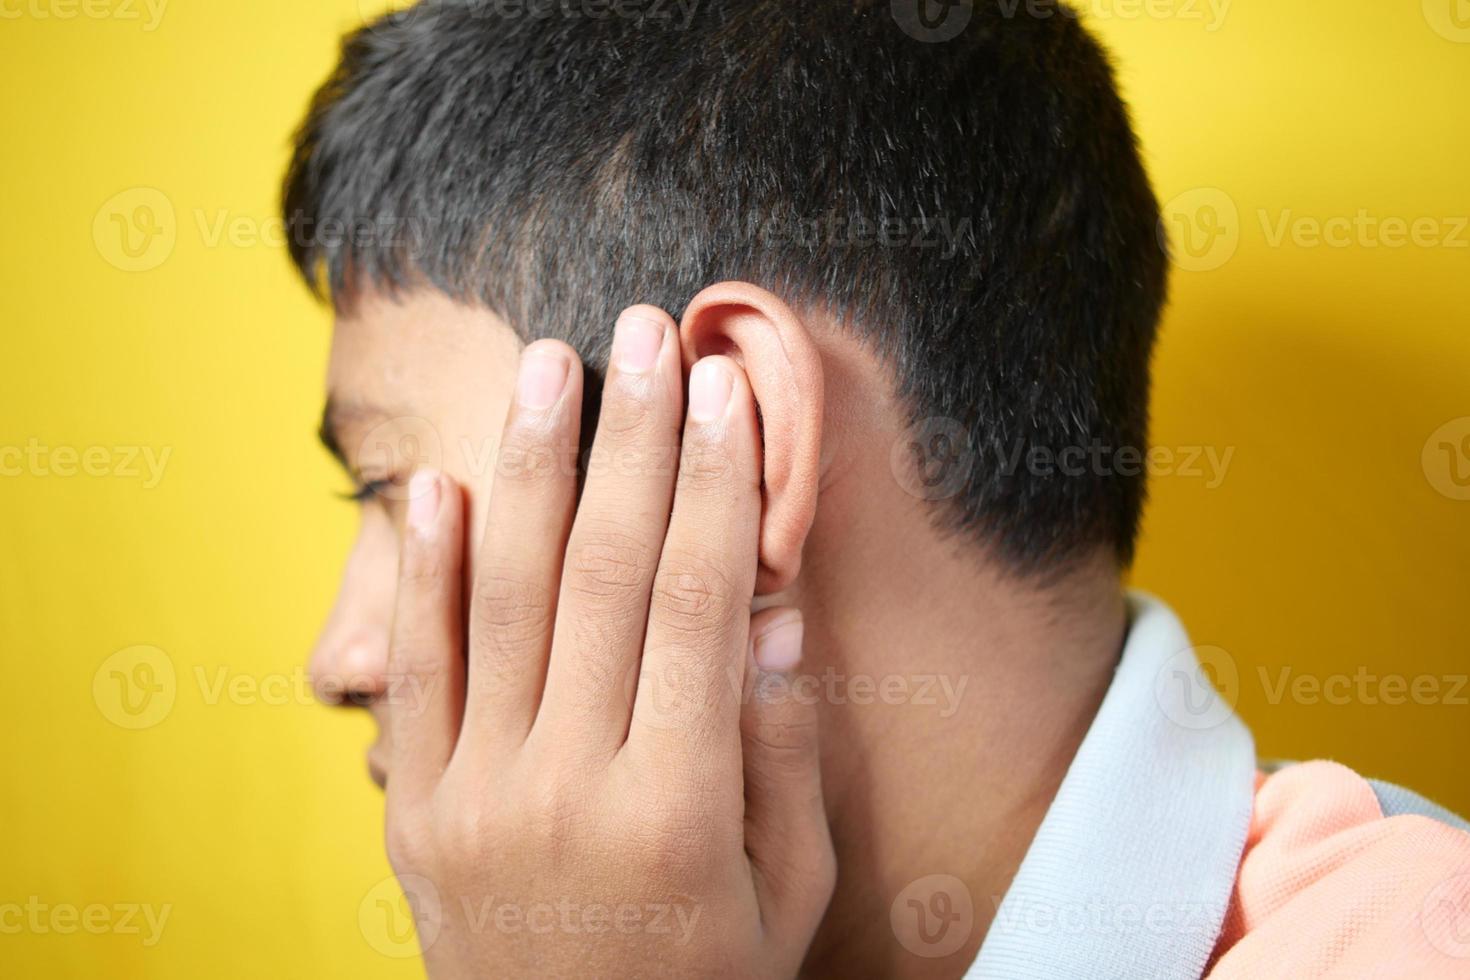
[(768, 340)]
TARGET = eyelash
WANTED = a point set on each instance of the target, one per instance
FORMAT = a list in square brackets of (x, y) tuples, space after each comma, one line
[(367, 491)]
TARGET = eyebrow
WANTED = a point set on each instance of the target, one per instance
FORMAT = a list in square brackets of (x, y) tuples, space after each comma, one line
[(326, 432), (337, 415)]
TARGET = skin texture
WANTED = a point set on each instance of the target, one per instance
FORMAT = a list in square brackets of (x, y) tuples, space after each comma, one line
[(570, 693)]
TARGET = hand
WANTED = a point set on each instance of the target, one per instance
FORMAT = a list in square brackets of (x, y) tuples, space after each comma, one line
[(606, 783)]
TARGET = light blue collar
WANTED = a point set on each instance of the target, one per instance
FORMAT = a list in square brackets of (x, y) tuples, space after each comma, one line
[(1132, 869)]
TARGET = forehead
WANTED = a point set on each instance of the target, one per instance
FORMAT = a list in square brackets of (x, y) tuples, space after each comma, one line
[(410, 344), (422, 360)]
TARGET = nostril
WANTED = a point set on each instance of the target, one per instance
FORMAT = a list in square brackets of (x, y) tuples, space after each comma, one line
[(350, 671), (360, 698)]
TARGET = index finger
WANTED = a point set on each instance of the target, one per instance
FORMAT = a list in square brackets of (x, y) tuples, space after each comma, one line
[(689, 689)]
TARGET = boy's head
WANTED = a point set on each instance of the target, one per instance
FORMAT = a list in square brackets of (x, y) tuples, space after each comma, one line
[(971, 213)]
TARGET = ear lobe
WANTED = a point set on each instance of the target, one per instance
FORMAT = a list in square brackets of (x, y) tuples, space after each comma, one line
[(772, 344)]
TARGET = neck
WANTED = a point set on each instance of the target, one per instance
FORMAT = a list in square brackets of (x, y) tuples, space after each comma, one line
[(953, 698)]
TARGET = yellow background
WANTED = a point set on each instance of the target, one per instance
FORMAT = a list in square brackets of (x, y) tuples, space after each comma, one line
[(1326, 548)]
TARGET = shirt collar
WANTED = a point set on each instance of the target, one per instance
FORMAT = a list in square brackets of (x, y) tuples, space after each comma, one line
[(1132, 868)]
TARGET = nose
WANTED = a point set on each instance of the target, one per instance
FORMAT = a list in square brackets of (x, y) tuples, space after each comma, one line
[(349, 664)]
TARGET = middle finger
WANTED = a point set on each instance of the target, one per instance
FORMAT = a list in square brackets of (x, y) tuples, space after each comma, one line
[(616, 539)]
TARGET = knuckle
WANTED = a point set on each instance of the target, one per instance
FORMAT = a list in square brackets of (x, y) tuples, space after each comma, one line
[(552, 796), (672, 833), (693, 592), (624, 415), (464, 830), (631, 459), (668, 835), (554, 810), (786, 745), (706, 466), (509, 613), (609, 563)]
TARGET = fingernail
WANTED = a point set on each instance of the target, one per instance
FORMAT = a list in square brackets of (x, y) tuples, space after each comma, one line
[(778, 649), (636, 343), (709, 390), (423, 499), (542, 377)]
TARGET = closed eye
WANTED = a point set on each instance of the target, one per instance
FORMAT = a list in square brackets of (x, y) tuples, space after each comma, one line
[(367, 490)]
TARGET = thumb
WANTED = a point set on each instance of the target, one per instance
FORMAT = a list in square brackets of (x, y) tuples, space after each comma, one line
[(786, 833)]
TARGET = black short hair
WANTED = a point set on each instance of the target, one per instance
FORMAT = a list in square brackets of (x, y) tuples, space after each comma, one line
[(969, 202)]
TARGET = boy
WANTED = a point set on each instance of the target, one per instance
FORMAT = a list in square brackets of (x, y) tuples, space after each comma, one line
[(879, 480)]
